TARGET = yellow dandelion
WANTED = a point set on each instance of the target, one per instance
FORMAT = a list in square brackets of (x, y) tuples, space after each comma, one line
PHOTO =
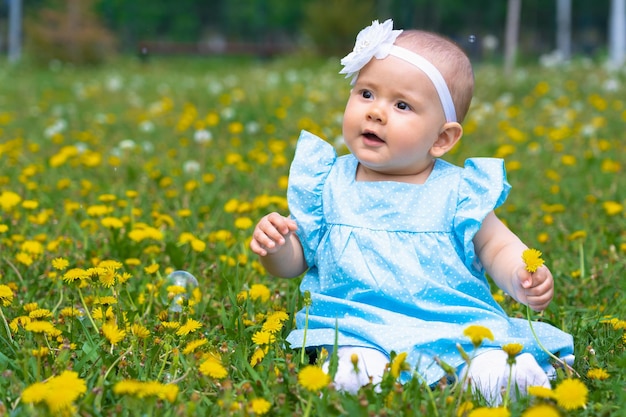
[(75, 274), (477, 334), (111, 222), (19, 321), (598, 374), (35, 393), (213, 368), (541, 410), (170, 325), (490, 412), (263, 338), (272, 324), (123, 277), (9, 199), (6, 295), (133, 262), (24, 258), (259, 291), (464, 409), (151, 269), (98, 314), (193, 345), (189, 327), (257, 356), (313, 378), (398, 364), (513, 349), (71, 312), (60, 264), (532, 259), (260, 406), (45, 327), (139, 331), (113, 334), (571, 394), (40, 313), (173, 290), (243, 223), (40, 352), (612, 208), (540, 391), (106, 300), (58, 392), (145, 389), (198, 245), (30, 307), (107, 278), (578, 234)]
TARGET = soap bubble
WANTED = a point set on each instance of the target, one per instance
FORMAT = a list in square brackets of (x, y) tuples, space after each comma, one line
[(471, 38), (180, 279)]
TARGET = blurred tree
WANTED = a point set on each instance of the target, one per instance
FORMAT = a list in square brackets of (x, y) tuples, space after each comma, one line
[(70, 32), (333, 29), (332, 25)]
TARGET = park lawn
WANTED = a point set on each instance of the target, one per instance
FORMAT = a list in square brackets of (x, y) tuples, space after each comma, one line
[(112, 178)]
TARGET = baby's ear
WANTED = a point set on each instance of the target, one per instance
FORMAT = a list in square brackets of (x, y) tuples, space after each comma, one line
[(450, 134)]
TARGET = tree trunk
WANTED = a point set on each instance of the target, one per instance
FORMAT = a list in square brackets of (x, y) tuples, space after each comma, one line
[(617, 33), (514, 9), (15, 30), (564, 28)]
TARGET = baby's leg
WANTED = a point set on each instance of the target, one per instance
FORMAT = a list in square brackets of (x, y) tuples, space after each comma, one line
[(370, 366), (489, 373)]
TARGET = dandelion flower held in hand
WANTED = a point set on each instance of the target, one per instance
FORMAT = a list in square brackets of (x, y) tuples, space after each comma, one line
[(532, 259)]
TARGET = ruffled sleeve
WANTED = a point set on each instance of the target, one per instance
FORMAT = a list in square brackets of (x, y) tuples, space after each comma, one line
[(483, 187), (311, 165)]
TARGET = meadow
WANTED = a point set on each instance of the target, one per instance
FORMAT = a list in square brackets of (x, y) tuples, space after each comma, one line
[(115, 179)]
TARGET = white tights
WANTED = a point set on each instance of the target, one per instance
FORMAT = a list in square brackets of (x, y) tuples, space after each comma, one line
[(488, 373)]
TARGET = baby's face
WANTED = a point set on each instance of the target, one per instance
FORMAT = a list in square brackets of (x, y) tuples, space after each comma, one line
[(393, 118)]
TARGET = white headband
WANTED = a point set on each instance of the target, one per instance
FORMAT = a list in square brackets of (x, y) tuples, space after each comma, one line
[(377, 41)]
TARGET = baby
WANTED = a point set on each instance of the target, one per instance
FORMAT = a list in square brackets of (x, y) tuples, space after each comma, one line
[(395, 241)]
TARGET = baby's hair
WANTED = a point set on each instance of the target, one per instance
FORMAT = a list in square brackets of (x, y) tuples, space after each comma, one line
[(450, 60)]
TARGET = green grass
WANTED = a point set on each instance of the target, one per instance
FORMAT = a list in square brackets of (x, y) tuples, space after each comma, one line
[(123, 146)]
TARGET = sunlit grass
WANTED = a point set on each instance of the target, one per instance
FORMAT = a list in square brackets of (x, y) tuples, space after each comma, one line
[(112, 178)]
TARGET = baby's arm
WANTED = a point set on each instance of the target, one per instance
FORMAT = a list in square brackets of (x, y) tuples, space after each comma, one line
[(278, 247), (500, 252)]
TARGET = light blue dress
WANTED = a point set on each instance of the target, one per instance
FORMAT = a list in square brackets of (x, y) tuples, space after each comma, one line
[(392, 265)]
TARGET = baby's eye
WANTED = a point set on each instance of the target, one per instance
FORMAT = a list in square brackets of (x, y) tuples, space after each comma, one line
[(366, 94), (403, 106)]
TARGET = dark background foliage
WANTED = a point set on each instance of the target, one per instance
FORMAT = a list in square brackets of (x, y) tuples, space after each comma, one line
[(326, 26)]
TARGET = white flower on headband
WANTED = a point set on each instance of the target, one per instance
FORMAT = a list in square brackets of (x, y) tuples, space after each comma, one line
[(375, 40)]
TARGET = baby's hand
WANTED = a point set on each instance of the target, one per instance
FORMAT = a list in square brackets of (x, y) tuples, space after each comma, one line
[(535, 288), (270, 233)]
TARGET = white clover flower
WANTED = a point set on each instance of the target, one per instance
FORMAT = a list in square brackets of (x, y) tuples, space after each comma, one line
[(191, 166), (146, 126), (202, 136), (127, 144)]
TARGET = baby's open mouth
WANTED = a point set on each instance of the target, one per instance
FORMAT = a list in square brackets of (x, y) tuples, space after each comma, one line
[(372, 136)]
